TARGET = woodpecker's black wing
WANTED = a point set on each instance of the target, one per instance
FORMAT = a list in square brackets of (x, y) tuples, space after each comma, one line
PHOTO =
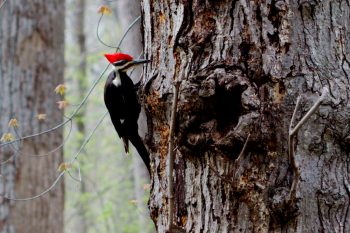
[(130, 109), (124, 110), (123, 107), (114, 103)]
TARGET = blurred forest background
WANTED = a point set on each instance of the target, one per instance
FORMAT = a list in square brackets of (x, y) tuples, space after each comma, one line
[(113, 194)]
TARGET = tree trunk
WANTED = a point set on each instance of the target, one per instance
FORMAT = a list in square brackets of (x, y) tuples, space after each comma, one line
[(31, 66), (82, 83), (242, 65)]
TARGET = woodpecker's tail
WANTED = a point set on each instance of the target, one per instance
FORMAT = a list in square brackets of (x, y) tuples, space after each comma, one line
[(141, 149), (126, 144)]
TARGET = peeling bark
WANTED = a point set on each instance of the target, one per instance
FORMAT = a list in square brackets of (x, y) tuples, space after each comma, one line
[(243, 65)]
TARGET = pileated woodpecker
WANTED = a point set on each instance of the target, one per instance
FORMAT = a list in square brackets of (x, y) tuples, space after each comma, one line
[(122, 104)]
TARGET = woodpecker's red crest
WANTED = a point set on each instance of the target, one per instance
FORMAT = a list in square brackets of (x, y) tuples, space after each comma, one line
[(115, 57)]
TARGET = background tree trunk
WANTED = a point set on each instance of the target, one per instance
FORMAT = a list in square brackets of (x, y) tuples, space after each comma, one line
[(128, 11), (31, 66), (82, 84), (242, 65)]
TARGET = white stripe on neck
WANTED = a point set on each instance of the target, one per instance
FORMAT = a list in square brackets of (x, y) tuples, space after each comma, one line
[(117, 81)]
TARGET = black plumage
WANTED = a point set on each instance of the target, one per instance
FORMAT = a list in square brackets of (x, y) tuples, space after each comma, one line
[(124, 109)]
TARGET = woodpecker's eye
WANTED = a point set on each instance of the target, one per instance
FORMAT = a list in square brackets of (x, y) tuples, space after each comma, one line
[(120, 63)]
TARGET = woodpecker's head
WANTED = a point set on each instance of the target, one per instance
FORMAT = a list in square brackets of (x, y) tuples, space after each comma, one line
[(123, 62)]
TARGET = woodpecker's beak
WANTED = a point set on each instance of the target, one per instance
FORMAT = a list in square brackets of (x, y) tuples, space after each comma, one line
[(139, 61)]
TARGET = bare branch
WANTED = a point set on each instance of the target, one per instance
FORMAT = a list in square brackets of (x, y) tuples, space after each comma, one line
[(86, 141), (59, 146), (310, 112), (294, 114), (66, 121), (126, 32), (290, 138), (79, 175), (171, 157), (98, 35), (74, 158), (239, 158), (18, 152), (293, 132), (40, 194), (3, 3)]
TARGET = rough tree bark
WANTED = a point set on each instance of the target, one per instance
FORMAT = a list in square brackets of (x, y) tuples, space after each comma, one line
[(242, 65), (31, 66)]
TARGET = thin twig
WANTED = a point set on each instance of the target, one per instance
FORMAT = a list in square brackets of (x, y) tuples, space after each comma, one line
[(171, 157), (294, 113), (290, 138), (310, 112), (66, 121), (61, 145), (18, 152), (2, 4), (127, 30), (74, 158), (88, 138), (13, 156), (239, 158), (98, 35), (40, 194), (79, 175), (293, 132)]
